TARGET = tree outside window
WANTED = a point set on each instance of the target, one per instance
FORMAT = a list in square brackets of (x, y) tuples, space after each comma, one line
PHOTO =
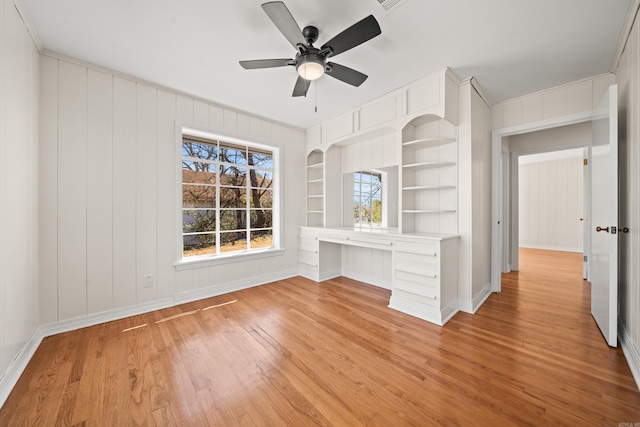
[(367, 199), (227, 197)]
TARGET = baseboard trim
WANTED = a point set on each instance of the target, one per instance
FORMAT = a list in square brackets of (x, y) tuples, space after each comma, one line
[(471, 306), (214, 291), (17, 366), (328, 275), (631, 353), (481, 297), (421, 311)]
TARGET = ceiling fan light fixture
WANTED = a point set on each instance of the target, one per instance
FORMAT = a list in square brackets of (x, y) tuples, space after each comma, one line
[(310, 70)]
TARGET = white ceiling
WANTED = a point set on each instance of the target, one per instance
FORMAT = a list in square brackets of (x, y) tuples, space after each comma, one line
[(512, 47)]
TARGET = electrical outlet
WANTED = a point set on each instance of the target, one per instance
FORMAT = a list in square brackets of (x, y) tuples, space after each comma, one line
[(148, 281)]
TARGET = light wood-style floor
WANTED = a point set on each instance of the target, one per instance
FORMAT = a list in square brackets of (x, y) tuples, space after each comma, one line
[(300, 353)]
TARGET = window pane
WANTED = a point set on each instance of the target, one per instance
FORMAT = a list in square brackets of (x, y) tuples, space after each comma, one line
[(232, 154), (261, 239), (233, 176), (259, 158), (367, 198), (260, 178), (196, 221), (261, 198), (198, 196), (233, 219), (233, 197), (234, 241), (198, 173), (261, 218), (199, 244), (199, 150)]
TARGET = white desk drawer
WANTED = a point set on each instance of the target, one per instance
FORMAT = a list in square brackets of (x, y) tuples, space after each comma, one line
[(417, 263), (427, 247), (308, 244), (430, 279), (308, 258)]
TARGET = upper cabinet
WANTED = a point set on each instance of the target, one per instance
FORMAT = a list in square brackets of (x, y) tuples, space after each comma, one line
[(412, 132), (436, 94)]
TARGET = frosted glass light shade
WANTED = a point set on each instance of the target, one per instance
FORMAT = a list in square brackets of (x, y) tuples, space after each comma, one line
[(310, 70)]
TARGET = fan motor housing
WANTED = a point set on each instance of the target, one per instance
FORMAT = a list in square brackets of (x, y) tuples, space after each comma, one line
[(310, 56)]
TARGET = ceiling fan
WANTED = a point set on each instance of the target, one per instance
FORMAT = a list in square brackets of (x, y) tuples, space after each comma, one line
[(311, 62)]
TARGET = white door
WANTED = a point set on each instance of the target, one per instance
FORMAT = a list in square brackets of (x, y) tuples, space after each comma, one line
[(604, 217)]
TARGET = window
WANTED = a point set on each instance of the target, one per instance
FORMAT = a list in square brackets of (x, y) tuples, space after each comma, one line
[(227, 189), (367, 199)]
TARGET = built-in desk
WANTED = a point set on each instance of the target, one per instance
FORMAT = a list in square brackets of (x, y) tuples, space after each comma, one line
[(424, 266)]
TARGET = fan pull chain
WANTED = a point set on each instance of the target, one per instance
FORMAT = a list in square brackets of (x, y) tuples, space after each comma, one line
[(315, 89)]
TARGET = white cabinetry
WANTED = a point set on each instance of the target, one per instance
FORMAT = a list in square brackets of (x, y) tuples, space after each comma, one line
[(425, 277), (424, 267), (315, 189), (429, 176)]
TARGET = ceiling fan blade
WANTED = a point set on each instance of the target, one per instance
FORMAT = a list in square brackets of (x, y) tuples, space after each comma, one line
[(346, 74), (282, 18), (265, 63), (353, 36), (301, 87)]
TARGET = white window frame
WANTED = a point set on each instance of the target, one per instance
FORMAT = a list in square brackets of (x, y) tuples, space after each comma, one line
[(276, 248), (384, 199)]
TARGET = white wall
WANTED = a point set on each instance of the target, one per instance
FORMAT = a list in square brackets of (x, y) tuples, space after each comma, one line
[(365, 264), (628, 76), (18, 184), (108, 205), (551, 202), (474, 198)]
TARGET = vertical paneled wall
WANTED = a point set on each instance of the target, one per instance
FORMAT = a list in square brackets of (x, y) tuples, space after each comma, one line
[(551, 204), (109, 207), (480, 194), (474, 196), (18, 184), (365, 264), (571, 98), (628, 79)]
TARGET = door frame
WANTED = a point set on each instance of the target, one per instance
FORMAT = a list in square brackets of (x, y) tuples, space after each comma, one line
[(500, 197)]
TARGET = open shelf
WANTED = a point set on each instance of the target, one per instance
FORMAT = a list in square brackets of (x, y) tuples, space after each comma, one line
[(428, 187), (422, 211), (427, 142), (428, 165), (429, 176), (315, 189)]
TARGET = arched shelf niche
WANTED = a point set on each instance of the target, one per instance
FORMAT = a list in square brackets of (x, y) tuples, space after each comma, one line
[(429, 197), (315, 188)]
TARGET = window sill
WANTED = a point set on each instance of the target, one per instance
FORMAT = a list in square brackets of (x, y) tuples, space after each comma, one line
[(227, 258)]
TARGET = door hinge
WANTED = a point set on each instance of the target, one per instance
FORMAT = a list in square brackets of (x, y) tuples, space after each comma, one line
[(585, 258), (586, 162)]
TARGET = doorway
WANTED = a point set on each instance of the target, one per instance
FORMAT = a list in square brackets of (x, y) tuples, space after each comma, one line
[(507, 146)]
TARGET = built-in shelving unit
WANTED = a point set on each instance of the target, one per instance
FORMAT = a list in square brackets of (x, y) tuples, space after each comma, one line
[(315, 189), (429, 176)]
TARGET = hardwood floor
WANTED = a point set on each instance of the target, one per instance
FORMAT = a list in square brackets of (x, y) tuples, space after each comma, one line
[(300, 353)]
